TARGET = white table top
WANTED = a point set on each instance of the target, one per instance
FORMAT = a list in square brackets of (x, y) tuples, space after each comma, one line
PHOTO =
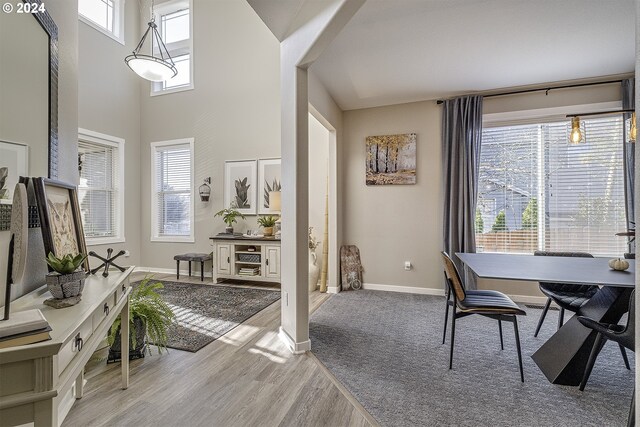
[(594, 271)]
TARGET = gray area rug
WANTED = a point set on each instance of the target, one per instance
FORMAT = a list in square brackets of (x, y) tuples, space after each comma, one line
[(385, 348), (206, 312)]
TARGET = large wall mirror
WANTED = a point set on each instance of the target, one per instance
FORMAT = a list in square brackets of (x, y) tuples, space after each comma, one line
[(28, 101)]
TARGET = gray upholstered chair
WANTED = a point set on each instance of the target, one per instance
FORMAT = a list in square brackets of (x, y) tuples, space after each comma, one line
[(568, 296), (492, 304)]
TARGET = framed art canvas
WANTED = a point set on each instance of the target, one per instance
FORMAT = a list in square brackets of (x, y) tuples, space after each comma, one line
[(391, 159), (14, 163), (268, 180), (240, 186), (60, 218)]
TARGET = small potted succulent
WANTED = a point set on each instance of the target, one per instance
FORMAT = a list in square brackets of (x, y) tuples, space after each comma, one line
[(149, 320), (66, 280), (267, 222), (229, 216)]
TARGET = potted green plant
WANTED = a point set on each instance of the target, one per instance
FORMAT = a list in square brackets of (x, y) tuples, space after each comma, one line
[(229, 216), (66, 281), (267, 222), (149, 317)]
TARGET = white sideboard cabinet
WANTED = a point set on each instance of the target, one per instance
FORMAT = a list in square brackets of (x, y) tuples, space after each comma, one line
[(246, 258)]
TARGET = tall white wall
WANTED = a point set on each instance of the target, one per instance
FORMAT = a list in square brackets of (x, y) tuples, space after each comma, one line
[(109, 103), (393, 224), (233, 113)]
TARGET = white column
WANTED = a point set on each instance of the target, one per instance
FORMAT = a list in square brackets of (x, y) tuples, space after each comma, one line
[(297, 52)]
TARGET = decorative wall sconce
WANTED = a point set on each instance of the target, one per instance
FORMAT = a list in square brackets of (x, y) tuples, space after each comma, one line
[(205, 190), (576, 135)]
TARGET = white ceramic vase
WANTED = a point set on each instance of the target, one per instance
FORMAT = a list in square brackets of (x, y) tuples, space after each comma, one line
[(314, 270)]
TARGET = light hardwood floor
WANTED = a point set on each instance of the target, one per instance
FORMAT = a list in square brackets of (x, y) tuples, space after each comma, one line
[(245, 378)]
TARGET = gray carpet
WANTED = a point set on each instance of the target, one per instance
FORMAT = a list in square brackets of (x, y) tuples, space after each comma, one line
[(206, 312), (385, 348)]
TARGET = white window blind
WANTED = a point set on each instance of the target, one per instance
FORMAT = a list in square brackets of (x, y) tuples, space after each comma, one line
[(537, 191), (173, 190), (98, 191)]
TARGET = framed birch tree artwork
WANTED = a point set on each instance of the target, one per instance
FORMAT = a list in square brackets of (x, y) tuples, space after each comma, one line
[(391, 159), (240, 186), (268, 180)]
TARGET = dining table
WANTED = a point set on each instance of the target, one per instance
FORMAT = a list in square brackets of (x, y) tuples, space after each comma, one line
[(563, 357)]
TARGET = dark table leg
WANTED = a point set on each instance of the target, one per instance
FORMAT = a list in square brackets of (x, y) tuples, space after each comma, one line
[(178, 270), (202, 271), (563, 358)]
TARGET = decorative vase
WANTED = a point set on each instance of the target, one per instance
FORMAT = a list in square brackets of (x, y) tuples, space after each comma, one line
[(66, 286), (314, 270), (268, 231), (228, 230)]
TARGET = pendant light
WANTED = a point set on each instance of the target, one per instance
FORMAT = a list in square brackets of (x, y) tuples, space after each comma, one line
[(632, 128), (156, 67), (575, 137)]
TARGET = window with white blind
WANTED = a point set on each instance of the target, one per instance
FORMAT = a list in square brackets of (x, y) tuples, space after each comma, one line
[(106, 16), (100, 166), (175, 26), (536, 191), (172, 185)]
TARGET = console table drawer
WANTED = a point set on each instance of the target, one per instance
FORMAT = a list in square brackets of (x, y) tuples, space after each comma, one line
[(103, 312), (75, 345)]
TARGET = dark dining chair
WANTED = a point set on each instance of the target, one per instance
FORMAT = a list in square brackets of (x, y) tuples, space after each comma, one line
[(568, 296), (624, 335), (488, 303)]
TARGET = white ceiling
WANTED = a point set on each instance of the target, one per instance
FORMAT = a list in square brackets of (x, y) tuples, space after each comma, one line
[(397, 51)]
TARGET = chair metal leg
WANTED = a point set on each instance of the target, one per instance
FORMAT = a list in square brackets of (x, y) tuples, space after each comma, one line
[(631, 421), (453, 336), (202, 271), (446, 316), (189, 268), (561, 318), (624, 356), (544, 314), (177, 270), (515, 328), (501, 340), (597, 346)]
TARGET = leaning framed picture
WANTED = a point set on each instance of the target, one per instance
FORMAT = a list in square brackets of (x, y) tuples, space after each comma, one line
[(269, 179), (60, 218), (14, 163), (240, 186)]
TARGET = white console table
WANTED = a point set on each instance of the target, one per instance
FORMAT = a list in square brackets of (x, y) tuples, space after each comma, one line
[(39, 382), (232, 253)]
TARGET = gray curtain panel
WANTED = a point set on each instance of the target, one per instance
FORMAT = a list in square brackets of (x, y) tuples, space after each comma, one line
[(461, 136), (629, 151)]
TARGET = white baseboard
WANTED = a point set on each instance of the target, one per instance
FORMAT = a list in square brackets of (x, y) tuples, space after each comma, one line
[(525, 299), (333, 289), (405, 289), (183, 273), (294, 347)]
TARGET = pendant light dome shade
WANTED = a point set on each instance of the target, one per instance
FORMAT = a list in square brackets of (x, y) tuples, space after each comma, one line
[(156, 67)]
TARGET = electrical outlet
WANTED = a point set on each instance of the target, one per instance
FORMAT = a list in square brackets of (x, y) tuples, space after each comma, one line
[(127, 254), (407, 265)]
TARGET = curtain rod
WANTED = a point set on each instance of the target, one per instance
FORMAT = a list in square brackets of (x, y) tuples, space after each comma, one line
[(546, 89)]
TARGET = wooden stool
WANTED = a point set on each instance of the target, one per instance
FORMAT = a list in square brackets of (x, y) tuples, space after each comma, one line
[(192, 257)]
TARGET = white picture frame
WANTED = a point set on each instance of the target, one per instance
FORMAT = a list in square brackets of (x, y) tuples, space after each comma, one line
[(269, 179), (245, 172), (14, 157)]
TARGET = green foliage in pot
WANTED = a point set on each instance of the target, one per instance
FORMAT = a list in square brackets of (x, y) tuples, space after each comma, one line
[(65, 265), (229, 216), (147, 304), (267, 221)]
